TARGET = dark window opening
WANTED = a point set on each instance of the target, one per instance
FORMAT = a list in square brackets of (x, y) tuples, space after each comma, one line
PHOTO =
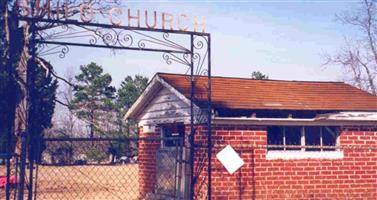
[(172, 135), (275, 136), (293, 137), (313, 138), (329, 135), (307, 138)]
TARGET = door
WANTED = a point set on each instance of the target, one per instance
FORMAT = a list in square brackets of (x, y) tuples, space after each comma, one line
[(170, 162)]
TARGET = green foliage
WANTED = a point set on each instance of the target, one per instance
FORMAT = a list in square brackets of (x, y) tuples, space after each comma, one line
[(128, 92), (93, 95), (42, 103), (43, 100), (7, 82), (96, 155), (130, 89), (257, 75)]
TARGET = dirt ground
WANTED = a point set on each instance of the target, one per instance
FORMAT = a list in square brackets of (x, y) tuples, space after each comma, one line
[(85, 182)]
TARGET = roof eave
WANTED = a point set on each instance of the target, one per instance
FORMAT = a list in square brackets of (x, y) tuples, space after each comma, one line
[(293, 121), (153, 86)]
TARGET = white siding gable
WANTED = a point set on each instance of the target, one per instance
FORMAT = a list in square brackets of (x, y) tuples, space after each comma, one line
[(165, 107)]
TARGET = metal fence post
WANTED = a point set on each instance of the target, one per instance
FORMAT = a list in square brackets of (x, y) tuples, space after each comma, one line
[(8, 171), (9, 155), (30, 92), (21, 178), (31, 166)]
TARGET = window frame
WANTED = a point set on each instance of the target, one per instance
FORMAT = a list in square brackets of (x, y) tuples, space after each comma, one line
[(280, 152), (303, 147)]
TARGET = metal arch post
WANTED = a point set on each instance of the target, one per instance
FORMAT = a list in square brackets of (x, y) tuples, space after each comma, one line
[(209, 122), (193, 179), (192, 131)]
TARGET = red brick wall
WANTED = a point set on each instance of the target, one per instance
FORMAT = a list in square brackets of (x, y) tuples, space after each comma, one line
[(353, 177), (147, 161)]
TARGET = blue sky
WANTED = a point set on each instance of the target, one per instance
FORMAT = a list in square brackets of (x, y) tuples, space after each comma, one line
[(284, 39)]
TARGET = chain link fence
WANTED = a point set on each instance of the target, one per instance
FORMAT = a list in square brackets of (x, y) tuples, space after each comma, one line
[(95, 168)]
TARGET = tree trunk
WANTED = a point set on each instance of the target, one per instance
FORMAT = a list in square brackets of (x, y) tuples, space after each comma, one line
[(21, 116), (16, 63)]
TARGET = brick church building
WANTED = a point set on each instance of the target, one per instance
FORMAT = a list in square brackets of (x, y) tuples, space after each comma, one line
[(297, 139)]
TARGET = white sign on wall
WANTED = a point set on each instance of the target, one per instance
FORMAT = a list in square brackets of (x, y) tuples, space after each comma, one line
[(230, 159)]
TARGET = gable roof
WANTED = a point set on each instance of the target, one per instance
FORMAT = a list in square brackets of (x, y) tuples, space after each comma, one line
[(149, 93), (241, 93)]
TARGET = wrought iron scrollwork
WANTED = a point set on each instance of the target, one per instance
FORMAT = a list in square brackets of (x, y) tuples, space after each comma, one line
[(201, 54), (113, 38), (45, 50), (180, 58), (65, 32)]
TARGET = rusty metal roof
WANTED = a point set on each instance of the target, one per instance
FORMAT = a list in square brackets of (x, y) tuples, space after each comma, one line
[(242, 93)]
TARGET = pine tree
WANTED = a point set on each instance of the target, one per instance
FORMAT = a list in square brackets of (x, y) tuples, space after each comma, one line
[(130, 89), (93, 96), (128, 92)]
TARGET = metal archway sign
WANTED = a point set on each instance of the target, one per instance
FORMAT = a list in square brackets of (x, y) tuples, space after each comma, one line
[(189, 48)]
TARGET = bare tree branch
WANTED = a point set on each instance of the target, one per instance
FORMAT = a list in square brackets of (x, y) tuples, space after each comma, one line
[(49, 70), (360, 57), (61, 103)]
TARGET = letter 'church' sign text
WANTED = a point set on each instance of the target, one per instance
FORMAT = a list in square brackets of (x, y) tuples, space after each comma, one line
[(118, 16)]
